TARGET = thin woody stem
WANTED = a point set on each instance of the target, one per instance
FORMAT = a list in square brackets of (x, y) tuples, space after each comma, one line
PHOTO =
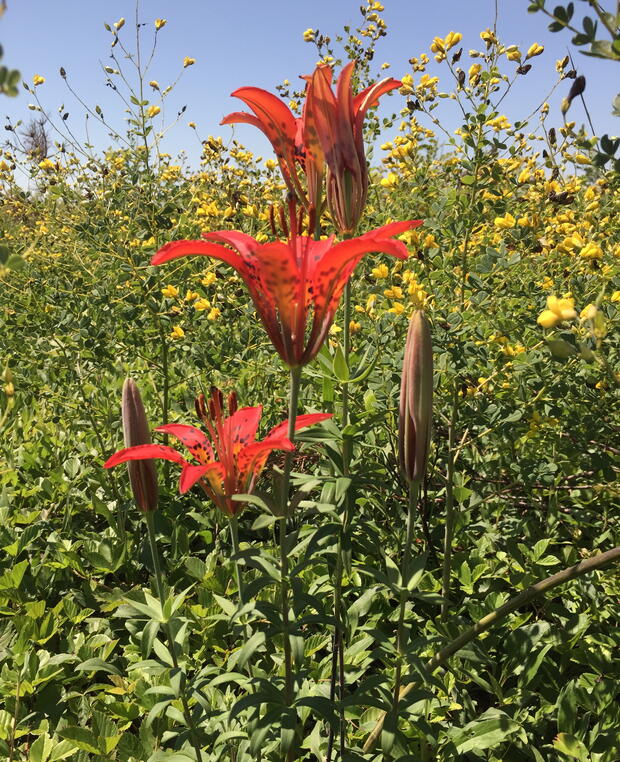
[(497, 616)]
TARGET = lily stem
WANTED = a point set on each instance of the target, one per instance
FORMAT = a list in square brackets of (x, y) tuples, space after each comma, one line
[(337, 675), (295, 383), (401, 634), (150, 525), (234, 537), (449, 525)]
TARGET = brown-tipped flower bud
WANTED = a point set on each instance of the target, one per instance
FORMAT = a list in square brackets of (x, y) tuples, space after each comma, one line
[(416, 399), (142, 473), (577, 88)]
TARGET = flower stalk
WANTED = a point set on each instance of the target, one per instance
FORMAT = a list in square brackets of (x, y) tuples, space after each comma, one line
[(159, 584), (289, 688)]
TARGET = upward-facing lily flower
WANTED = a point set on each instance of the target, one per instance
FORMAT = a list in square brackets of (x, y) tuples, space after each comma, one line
[(339, 121), (294, 141), (296, 284), (240, 459)]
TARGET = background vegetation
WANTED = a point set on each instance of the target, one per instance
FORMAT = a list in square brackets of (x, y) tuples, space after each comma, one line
[(518, 209)]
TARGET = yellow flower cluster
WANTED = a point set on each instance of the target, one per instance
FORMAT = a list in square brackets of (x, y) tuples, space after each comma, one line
[(558, 310), (440, 46)]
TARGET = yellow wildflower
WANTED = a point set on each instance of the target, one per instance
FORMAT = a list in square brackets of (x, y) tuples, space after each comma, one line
[(390, 181), (177, 332), (524, 176), (152, 111), (452, 39), (187, 61), (488, 36), (154, 84), (534, 50), (46, 164), (208, 279), (546, 283), (38, 80), (380, 271), (159, 23), (309, 35), (591, 251), (615, 297), (557, 311), (191, 296), (513, 53), (119, 24), (214, 314), (397, 308), (506, 222), (202, 304), (170, 291), (474, 73), (407, 84), (588, 312)]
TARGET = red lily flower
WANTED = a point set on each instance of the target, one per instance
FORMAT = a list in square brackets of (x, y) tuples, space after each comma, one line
[(339, 121), (240, 459), (296, 284), (294, 141)]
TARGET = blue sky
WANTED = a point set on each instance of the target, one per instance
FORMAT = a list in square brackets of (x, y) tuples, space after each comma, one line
[(247, 42)]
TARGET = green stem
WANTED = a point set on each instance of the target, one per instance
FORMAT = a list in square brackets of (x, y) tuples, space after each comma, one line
[(401, 635), (149, 518), (449, 526), (234, 536), (15, 715), (497, 616), (338, 655), (295, 382)]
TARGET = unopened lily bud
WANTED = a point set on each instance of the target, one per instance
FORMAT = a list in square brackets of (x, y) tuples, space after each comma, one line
[(416, 399), (142, 473)]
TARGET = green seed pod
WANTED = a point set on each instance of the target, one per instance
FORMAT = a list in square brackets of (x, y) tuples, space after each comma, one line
[(142, 473), (416, 399)]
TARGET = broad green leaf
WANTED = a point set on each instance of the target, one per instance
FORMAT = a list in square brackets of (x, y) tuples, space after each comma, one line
[(98, 665), (490, 729), (571, 746)]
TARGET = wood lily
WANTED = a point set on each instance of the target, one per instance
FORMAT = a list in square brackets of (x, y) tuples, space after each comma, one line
[(229, 460), (295, 284), (339, 122)]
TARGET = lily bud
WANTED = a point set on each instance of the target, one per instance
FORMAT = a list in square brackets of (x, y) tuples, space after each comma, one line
[(142, 473), (416, 399)]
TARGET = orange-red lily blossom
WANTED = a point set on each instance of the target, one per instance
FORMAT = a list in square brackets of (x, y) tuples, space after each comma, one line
[(339, 119), (294, 141), (240, 459), (296, 284)]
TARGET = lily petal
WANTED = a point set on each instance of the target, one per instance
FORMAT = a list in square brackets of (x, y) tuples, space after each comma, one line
[(144, 452), (194, 439), (240, 429), (301, 422), (190, 475)]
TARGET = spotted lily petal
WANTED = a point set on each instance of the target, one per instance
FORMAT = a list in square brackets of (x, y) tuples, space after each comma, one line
[(144, 452)]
